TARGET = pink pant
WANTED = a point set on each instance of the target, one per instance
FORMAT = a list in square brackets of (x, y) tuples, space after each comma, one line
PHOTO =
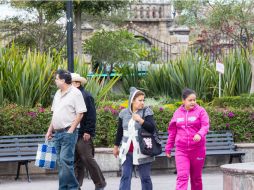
[(189, 163)]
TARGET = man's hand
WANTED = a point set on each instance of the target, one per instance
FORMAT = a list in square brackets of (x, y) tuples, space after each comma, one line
[(48, 135), (70, 130), (116, 151), (86, 136), (197, 138)]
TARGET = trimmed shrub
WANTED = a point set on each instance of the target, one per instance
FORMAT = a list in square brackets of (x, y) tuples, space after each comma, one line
[(18, 120), (234, 101)]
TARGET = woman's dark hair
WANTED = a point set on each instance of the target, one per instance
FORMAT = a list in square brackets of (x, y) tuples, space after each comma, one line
[(63, 74), (186, 92), (139, 93)]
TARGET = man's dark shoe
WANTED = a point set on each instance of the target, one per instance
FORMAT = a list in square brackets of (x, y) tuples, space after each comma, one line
[(101, 188)]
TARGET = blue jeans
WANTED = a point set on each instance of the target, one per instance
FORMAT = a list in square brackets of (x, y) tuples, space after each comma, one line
[(144, 173), (65, 149)]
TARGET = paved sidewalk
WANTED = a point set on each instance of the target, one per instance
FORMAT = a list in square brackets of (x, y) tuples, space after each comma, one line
[(212, 180)]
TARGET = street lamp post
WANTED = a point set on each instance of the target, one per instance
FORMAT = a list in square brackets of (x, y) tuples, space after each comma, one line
[(70, 36)]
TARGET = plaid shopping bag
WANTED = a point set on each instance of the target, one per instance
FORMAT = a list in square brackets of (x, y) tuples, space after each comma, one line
[(46, 156)]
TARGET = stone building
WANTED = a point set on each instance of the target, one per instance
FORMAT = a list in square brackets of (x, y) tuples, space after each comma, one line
[(153, 20)]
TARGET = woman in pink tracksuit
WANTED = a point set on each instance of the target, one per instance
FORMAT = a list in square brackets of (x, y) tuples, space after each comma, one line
[(187, 131)]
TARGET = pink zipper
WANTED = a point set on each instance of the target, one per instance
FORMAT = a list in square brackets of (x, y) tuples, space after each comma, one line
[(186, 126)]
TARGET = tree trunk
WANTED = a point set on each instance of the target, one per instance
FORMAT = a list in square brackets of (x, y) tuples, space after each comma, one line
[(251, 60), (78, 31)]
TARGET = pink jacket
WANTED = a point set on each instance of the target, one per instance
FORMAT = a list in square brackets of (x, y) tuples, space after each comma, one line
[(184, 125)]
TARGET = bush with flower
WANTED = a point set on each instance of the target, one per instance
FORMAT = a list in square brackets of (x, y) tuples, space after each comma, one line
[(18, 120)]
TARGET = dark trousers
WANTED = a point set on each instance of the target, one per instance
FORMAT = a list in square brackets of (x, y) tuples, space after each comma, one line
[(144, 173), (84, 158)]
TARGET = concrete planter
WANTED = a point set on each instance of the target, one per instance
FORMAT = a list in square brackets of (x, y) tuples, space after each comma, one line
[(238, 176)]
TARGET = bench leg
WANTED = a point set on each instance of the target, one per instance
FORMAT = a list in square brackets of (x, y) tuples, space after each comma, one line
[(240, 159), (18, 170), (231, 160), (28, 177)]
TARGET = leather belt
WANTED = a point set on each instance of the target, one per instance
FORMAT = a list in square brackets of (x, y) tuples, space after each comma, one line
[(62, 129)]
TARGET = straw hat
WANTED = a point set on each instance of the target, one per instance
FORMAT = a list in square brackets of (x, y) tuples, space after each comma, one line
[(78, 78)]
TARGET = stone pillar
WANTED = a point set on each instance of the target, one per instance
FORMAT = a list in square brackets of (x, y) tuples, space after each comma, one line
[(167, 11), (156, 12), (238, 176), (141, 12), (163, 32), (179, 39), (138, 12), (150, 12)]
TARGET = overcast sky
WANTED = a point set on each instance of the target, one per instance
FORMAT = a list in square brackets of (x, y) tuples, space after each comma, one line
[(8, 11)]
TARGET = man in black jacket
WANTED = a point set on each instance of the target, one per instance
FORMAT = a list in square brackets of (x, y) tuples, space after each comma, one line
[(84, 153)]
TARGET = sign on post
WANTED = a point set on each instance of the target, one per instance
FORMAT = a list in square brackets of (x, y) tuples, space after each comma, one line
[(220, 69)]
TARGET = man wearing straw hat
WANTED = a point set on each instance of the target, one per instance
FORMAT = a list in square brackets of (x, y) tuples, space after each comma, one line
[(84, 153)]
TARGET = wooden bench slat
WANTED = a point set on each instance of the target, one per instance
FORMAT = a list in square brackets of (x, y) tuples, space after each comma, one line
[(223, 152), (19, 145), (21, 140), (18, 154), (217, 143), (219, 148), (21, 136), (17, 159), (18, 149)]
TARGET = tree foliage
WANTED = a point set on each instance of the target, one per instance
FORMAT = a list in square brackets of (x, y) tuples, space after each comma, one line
[(100, 11), (39, 29), (232, 19), (112, 47), (42, 31)]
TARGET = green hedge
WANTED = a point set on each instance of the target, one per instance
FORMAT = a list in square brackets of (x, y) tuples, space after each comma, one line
[(17, 120), (234, 101)]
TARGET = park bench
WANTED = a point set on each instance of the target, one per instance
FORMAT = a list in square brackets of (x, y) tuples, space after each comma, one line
[(21, 149), (218, 143)]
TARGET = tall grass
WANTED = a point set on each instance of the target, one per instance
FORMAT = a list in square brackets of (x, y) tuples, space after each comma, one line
[(130, 77), (100, 87), (189, 71), (80, 66), (237, 77), (196, 72), (26, 78)]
